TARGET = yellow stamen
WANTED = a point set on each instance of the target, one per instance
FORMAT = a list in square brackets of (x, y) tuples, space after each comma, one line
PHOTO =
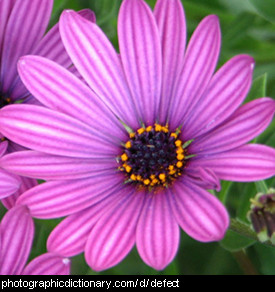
[(178, 143), (152, 176), (162, 176), (180, 156), (128, 144), (158, 127), (179, 164), (164, 129), (132, 135), (179, 150), (140, 131), (148, 129), (146, 182), (124, 157), (133, 177), (174, 135), (128, 168)]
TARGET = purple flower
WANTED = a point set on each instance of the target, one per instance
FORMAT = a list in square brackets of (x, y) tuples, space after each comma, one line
[(128, 155), (22, 28), (16, 236)]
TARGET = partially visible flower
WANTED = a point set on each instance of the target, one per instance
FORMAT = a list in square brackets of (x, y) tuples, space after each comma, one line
[(129, 157), (16, 237), (22, 28), (262, 215)]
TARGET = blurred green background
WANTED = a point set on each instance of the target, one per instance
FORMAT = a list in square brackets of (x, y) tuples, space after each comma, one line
[(248, 27)]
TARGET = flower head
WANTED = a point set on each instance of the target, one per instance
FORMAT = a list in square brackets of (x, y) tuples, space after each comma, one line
[(128, 155), (22, 31), (16, 234), (262, 215)]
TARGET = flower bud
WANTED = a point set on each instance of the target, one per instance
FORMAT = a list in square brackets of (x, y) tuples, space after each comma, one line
[(262, 215)]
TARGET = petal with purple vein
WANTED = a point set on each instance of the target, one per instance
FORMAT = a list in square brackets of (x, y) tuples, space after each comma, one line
[(98, 63), (17, 231), (200, 214), (140, 51), (157, 232)]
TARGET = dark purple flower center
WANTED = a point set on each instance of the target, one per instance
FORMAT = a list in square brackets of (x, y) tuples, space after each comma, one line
[(4, 101), (153, 157)]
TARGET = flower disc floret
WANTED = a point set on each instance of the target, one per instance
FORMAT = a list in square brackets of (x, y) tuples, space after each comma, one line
[(153, 156)]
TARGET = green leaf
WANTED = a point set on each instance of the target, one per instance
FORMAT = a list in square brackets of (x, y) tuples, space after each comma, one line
[(265, 8), (234, 241), (258, 88)]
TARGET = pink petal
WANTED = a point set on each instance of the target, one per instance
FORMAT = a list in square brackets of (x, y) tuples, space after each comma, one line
[(25, 184), (204, 177), (98, 63), (5, 11), (140, 52), (48, 264), (17, 231), (52, 167), (172, 28), (27, 24), (9, 183), (199, 64), (157, 232), (225, 93), (52, 132), (51, 47), (113, 236), (244, 125), (69, 237), (250, 162), (76, 100), (55, 199), (200, 214)]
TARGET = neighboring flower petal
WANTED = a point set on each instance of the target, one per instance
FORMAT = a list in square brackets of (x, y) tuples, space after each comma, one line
[(22, 34), (98, 63), (157, 232), (69, 237), (250, 162), (199, 64), (50, 47), (227, 90), (246, 123), (200, 214), (113, 236), (52, 167), (48, 264), (68, 94), (172, 27), (25, 184), (52, 132), (5, 10), (9, 183), (17, 231), (55, 199), (140, 52)]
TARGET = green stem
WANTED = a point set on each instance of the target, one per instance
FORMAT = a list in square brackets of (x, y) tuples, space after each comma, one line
[(245, 263), (245, 230)]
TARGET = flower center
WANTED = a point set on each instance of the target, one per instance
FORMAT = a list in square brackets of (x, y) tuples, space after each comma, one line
[(153, 157)]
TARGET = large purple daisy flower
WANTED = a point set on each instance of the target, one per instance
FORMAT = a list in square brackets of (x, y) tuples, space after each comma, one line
[(129, 154), (22, 31), (16, 237)]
